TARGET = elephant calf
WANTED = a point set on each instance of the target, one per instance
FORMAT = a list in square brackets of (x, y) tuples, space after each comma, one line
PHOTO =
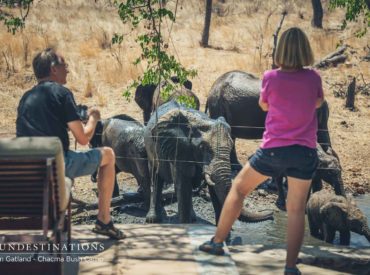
[(125, 136), (328, 213), (184, 145)]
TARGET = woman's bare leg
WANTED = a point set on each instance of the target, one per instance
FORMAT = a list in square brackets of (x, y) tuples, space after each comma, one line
[(244, 183), (296, 204)]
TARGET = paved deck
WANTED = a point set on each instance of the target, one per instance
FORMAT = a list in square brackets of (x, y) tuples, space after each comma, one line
[(171, 249)]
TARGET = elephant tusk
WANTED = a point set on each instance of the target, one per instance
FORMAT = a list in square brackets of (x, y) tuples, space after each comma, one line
[(208, 180)]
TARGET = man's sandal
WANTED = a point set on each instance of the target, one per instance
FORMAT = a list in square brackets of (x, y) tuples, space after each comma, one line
[(108, 230), (292, 270), (213, 248)]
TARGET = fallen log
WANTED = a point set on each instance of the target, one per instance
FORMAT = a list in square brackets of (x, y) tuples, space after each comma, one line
[(332, 59)]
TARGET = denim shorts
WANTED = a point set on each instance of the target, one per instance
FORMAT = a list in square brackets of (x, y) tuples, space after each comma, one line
[(293, 161), (81, 163)]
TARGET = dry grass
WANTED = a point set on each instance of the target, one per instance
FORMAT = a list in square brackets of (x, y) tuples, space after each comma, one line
[(89, 49), (89, 89), (240, 40)]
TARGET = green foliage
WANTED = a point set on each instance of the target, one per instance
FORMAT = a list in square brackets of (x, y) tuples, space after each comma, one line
[(159, 64), (354, 9), (187, 101), (14, 23)]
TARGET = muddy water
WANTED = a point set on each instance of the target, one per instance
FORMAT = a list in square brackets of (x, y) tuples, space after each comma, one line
[(273, 232), (267, 232)]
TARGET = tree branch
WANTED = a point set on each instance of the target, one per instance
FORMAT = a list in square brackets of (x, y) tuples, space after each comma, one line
[(275, 35)]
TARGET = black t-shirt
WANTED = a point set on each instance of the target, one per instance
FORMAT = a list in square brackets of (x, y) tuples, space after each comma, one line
[(45, 110)]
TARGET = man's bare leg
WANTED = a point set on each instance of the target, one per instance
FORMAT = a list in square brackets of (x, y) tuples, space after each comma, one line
[(106, 183)]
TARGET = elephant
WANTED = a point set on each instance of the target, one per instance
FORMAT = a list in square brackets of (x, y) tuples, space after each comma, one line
[(329, 170), (182, 95), (125, 136), (235, 95), (328, 213), (144, 95), (183, 146)]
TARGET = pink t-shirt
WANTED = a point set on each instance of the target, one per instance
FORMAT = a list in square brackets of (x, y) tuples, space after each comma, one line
[(291, 117)]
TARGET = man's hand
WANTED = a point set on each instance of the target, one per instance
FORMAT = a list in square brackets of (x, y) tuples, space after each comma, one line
[(94, 113), (83, 133)]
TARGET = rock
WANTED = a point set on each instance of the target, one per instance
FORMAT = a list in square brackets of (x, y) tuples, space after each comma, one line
[(360, 190), (344, 123)]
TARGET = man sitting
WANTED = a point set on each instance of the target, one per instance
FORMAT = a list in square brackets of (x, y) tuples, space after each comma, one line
[(49, 109)]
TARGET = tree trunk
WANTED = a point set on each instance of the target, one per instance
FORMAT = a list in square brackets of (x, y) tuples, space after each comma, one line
[(367, 2), (350, 102), (207, 24), (317, 14)]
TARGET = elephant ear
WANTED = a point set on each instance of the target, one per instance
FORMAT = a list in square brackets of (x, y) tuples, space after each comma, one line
[(334, 213), (221, 119), (196, 141)]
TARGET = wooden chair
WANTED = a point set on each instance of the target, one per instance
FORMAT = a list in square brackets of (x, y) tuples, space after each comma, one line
[(34, 195)]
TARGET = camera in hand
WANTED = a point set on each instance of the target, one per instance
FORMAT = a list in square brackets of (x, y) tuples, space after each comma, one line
[(82, 112)]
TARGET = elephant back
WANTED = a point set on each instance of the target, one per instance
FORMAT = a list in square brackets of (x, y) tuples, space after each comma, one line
[(122, 119), (235, 95), (182, 95), (172, 111), (125, 117), (234, 84), (118, 132), (96, 139)]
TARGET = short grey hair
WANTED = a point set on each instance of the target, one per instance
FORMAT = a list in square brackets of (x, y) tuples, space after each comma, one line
[(43, 61)]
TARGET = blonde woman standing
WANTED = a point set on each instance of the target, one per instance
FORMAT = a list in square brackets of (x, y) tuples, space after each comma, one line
[(290, 95)]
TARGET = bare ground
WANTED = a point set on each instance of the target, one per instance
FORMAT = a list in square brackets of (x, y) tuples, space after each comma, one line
[(240, 40)]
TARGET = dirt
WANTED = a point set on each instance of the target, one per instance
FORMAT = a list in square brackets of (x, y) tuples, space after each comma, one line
[(135, 212)]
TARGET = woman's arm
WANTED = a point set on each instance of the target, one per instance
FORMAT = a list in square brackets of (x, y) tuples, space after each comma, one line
[(319, 102), (264, 106)]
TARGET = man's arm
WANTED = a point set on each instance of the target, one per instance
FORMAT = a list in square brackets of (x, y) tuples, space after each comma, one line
[(264, 106), (82, 133)]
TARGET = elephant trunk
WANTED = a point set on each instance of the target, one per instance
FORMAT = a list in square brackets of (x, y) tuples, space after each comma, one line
[(218, 172), (366, 232), (218, 175), (339, 188)]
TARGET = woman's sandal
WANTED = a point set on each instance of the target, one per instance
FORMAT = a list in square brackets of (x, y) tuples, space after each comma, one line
[(292, 270), (108, 230), (213, 248)]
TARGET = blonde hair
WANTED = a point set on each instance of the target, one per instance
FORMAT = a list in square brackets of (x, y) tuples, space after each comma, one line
[(293, 50)]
